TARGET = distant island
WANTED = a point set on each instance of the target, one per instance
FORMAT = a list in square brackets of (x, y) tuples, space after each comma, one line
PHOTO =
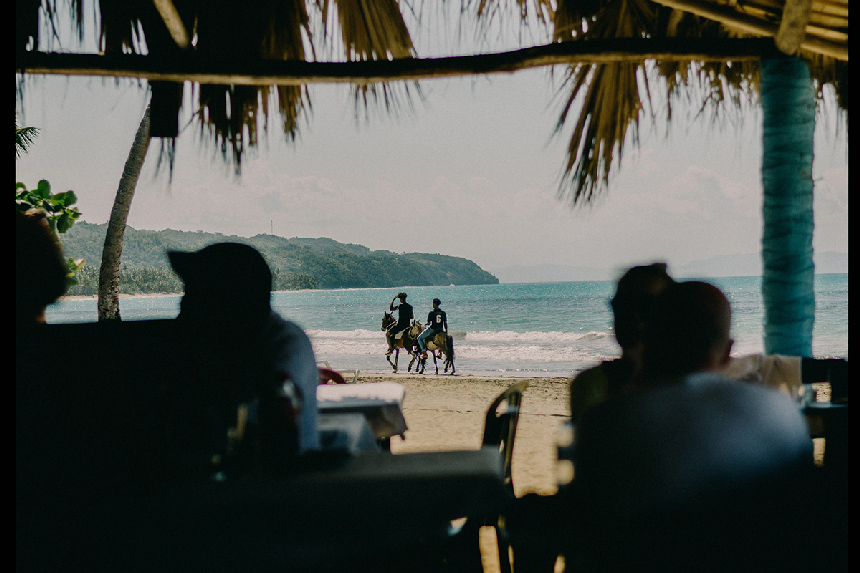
[(742, 265), (296, 263)]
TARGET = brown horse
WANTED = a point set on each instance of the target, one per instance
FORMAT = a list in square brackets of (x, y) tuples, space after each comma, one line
[(444, 343), (409, 341)]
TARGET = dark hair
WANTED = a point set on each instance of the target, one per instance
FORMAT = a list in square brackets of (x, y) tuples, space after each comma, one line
[(41, 273), (437, 301), (634, 300)]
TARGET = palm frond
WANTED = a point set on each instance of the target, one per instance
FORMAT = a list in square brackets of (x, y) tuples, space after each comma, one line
[(24, 137), (603, 102), (373, 30)]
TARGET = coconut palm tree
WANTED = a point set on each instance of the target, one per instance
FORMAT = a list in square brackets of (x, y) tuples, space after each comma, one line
[(108, 297)]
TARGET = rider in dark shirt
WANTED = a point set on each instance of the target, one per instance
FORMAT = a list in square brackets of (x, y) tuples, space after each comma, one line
[(437, 321), (404, 318)]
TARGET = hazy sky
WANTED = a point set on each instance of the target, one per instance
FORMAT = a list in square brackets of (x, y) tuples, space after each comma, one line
[(472, 172)]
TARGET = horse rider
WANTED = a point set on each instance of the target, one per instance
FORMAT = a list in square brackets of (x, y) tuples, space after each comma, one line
[(437, 321), (404, 319)]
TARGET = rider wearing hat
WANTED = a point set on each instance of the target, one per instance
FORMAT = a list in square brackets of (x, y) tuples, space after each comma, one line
[(404, 318), (437, 321)]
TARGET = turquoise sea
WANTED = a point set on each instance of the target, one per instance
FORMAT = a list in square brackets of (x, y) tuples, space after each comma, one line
[(525, 329)]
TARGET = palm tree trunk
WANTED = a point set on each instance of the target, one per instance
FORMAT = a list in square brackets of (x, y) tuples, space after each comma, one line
[(108, 302), (788, 105)]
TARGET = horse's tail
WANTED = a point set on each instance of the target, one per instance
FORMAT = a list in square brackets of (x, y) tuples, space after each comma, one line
[(449, 346)]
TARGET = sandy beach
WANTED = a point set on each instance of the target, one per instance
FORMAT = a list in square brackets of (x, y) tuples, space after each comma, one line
[(447, 413)]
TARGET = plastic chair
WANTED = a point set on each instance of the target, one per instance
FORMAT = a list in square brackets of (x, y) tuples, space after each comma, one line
[(329, 376), (500, 429)]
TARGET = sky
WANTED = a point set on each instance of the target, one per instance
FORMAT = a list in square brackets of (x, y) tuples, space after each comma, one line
[(472, 172)]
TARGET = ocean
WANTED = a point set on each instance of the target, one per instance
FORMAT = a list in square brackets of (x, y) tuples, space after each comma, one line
[(512, 329)]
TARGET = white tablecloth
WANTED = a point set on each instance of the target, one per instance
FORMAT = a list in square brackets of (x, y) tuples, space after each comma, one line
[(380, 402), (385, 391)]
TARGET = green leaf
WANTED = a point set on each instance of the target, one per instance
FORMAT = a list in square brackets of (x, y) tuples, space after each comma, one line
[(66, 199), (64, 223), (44, 189)]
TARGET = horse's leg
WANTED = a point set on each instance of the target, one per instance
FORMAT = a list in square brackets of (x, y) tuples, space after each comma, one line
[(408, 348), (394, 364), (414, 356)]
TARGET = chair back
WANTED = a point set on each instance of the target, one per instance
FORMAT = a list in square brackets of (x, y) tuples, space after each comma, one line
[(500, 426)]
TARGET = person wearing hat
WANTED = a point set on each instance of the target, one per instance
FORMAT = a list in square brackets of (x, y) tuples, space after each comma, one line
[(238, 348), (437, 321), (404, 319)]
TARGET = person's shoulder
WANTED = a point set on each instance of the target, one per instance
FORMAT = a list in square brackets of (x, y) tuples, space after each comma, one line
[(756, 400), (278, 326), (590, 375)]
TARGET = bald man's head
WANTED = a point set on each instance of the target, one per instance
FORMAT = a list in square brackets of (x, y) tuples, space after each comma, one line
[(689, 331)]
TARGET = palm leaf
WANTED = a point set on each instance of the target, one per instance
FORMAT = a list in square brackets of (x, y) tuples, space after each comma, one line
[(24, 137)]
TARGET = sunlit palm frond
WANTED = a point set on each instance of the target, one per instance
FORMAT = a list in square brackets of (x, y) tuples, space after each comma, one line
[(608, 102), (373, 30), (489, 13), (233, 116), (604, 99)]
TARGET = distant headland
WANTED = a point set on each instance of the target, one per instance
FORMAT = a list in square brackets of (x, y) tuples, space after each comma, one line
[(296, 263)]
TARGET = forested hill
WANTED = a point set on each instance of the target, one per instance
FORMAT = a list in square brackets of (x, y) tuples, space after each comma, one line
[(296, 263)]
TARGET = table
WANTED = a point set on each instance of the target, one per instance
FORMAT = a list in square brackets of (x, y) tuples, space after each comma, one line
[(351, 515), (380, 402)]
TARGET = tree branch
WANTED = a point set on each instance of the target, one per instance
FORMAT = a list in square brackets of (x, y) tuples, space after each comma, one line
[(193, 67)]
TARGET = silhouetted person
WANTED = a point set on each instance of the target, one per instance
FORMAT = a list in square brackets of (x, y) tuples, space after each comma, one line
[(691, 471), (632, 304), (404, 319), (40, 271), (437, 322), (48, 490), (236, 348)]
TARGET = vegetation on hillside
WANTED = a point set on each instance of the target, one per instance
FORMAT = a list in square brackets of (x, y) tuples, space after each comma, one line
[(297, 263)]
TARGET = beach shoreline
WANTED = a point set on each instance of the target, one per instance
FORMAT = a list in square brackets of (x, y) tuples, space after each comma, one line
[(155, 294), (95, 296)]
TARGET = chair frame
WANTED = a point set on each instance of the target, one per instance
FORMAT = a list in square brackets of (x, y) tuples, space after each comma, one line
[(500, 429)]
